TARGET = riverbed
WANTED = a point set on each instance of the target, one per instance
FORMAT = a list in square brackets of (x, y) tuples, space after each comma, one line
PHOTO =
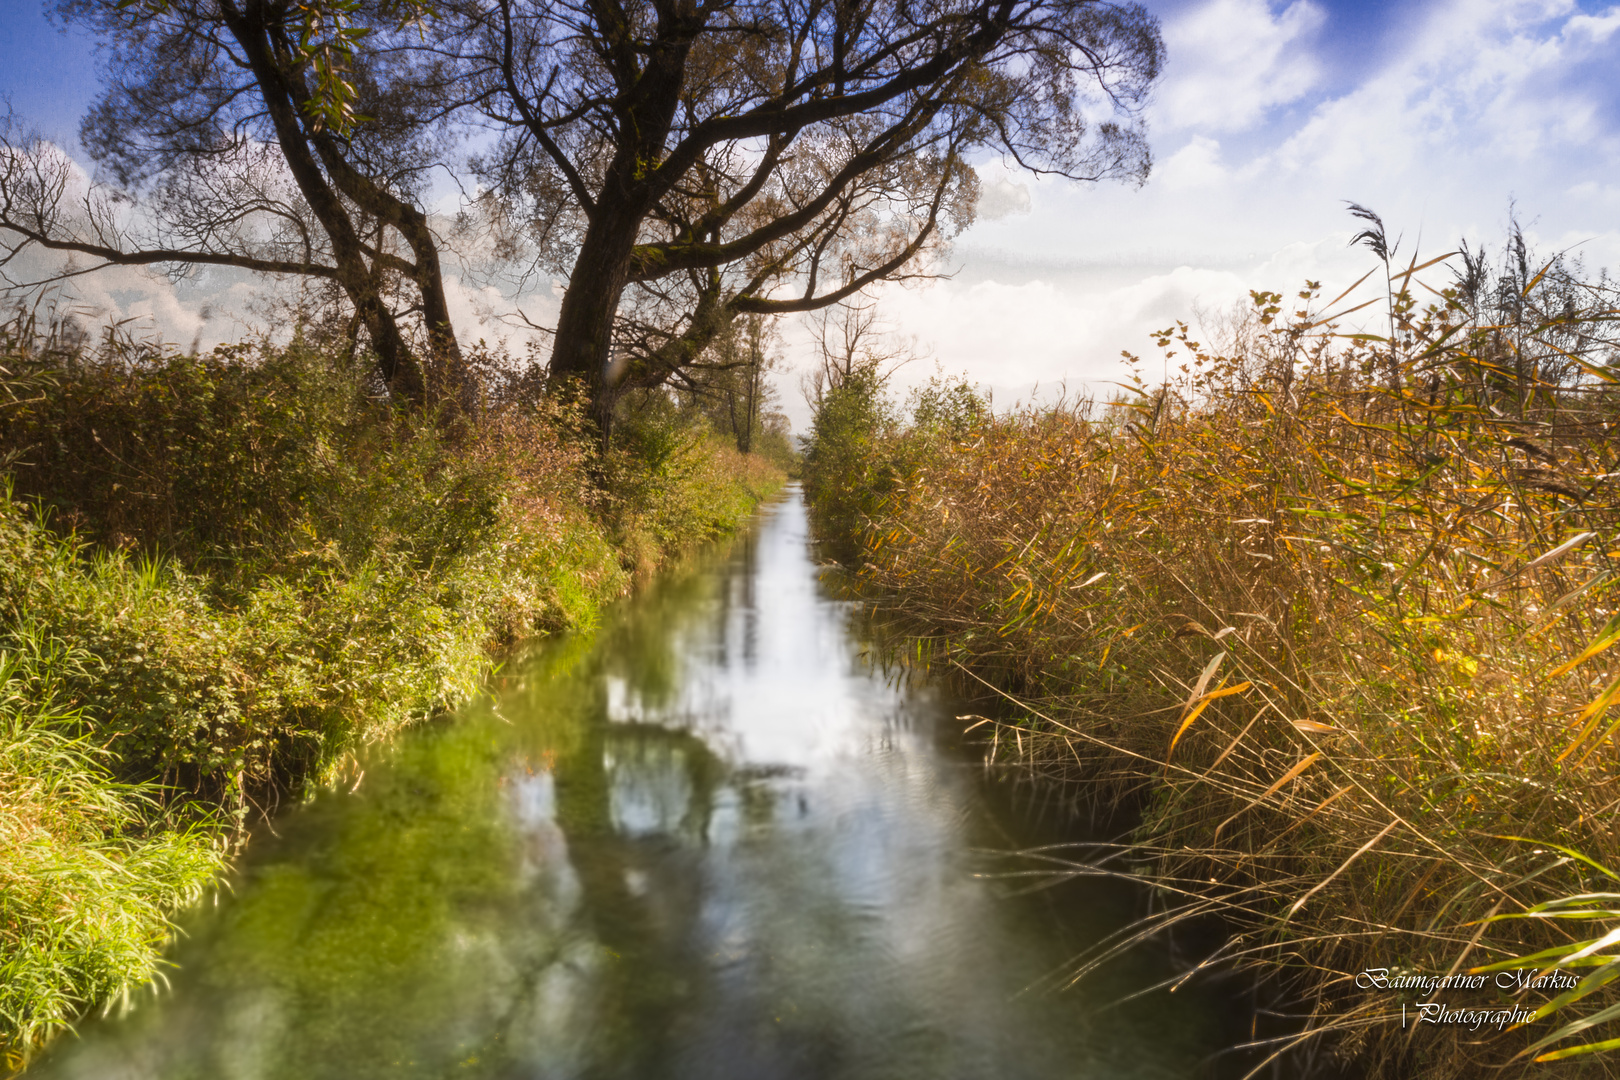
[(713, 840)]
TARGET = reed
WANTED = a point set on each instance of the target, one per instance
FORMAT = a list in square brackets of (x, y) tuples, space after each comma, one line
[(1334, 610)]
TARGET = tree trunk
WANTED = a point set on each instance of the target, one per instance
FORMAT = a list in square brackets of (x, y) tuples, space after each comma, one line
[(582, 351), (756, 373), (449, 371), (398, 367)]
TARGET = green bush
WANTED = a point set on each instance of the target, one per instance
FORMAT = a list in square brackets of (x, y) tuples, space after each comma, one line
[(849, 464), (670, 480), (355, 589)]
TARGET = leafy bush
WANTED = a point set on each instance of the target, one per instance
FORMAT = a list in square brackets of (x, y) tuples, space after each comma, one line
[(671, 480), (304, 616), (851, 459)]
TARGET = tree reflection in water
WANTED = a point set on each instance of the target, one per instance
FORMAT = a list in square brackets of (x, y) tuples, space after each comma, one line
[(709, 843)]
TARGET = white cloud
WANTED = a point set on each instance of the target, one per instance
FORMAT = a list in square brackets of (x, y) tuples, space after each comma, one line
[(1230, 61), (1197, 164), (1482, 89), (1013, 337), (1598, 29), (1002, 197)]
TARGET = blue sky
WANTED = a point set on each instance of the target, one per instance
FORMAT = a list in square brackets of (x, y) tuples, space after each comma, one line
[(1438, 114), (49, 76)]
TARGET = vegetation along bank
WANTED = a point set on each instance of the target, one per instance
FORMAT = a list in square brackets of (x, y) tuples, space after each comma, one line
[(1333, 611), (221, 574)]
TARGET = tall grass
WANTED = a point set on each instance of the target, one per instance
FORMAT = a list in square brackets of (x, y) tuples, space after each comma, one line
[(1332, 609), (221, 574), (90, 869), (268, 570)]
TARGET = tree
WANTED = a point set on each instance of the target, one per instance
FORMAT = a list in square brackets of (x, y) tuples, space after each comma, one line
[(252, 134), (689, 161), (731, 383), (851, 342), (683, 162)]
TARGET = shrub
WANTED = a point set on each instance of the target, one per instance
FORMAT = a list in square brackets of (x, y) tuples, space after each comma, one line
[(670, 480), (851, 457)]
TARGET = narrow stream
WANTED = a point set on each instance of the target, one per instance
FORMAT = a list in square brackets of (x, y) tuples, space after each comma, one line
[(709, 842)]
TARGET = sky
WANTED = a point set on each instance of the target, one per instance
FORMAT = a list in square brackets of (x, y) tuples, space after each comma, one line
[(1444, 116)]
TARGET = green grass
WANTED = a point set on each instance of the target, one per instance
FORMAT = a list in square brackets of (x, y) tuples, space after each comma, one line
[(90, 869)]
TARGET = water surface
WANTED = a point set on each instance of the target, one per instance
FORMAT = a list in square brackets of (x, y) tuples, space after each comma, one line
[(710, 842)]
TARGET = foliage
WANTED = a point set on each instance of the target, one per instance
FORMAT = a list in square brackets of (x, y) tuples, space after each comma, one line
[(275, 138), (947, 411), (327, 42), (670, 479), (850, 460), (1332, 608), (88, 873), (258, 569), (765, 158), (284, 569)]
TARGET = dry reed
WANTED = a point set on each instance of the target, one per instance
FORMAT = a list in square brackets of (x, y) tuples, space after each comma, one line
[(1335, 611)]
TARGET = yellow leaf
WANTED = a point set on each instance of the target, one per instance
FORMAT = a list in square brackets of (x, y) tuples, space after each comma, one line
[(1203, 703), (1299, 767), (1591, 717), (1182, 730), (1610, 635)]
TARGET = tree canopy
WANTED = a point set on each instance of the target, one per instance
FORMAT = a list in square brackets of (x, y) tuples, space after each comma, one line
[(217, 122), (679, 163)]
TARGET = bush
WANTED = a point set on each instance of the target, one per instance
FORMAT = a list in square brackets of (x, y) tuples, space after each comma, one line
[(852, 459), (246, 635), (671, 480)]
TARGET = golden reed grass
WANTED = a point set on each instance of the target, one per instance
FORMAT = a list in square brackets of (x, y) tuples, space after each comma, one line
[(1335, 610)]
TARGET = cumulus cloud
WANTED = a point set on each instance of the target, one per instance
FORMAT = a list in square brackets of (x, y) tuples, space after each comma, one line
[(1197, 164), (1013, 337), (1231, 61), (1498, 87), (1479, 105)]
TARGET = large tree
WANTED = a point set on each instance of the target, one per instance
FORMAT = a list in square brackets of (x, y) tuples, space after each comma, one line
[(249, 134), (681, 162), (688, 161)]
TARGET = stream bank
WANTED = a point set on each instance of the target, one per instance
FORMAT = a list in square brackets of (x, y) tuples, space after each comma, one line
[(222, 577), (709, 841)]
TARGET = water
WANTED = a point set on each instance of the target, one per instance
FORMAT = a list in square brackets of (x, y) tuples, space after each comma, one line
[(710, 843)]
